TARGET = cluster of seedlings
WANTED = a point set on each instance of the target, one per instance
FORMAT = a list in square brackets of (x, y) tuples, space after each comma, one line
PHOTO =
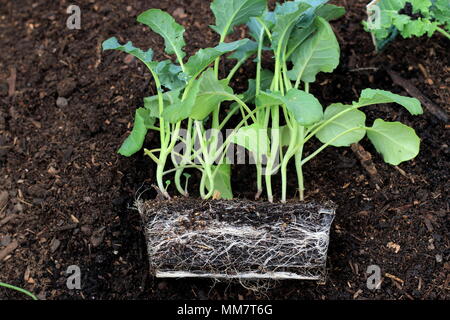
[(274, 119)]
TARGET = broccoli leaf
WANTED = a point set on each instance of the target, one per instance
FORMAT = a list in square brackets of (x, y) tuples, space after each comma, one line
[(169, 75), (222, 181), (268, 99), (254, 138), (287, 17), (395, 141), (204, 57), (320, 53), (330, 12), (245, 51), (145, 56), (375, 96), (181, 110), (266, 81), (305, 108), (230, 13), (212, 92), (165, 25), (169, 98), (349, 120), (135, 141)]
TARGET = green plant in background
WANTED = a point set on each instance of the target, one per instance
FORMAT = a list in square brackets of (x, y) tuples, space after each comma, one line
[(8, 286), (409, 18), (278, 114)]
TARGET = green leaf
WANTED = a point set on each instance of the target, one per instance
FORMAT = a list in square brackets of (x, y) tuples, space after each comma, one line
[(257, 25), (254, 138), (169, 98), (287, 17), (298, 37), (319, 53), (168, 74), (222, 181), (285, 136), (305, 108), (330, 12), (350, 120), (182, 109), (212, 92), (230, 13), (375, 96), (245, 51), (418, 28), (113, 44), (256, 29), (441, 12), (400, 20), (135, 140), (266, 81), (204, 57), (422, 6), (395, 141), (165, 25), (268, 99)]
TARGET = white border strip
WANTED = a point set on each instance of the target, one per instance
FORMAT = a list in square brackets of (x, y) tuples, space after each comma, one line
[(245, 275)]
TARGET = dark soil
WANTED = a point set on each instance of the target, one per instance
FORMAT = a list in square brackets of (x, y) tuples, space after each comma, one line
[(70, 192)]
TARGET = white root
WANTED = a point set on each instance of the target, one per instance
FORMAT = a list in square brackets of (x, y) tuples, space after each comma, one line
[(205, 241)]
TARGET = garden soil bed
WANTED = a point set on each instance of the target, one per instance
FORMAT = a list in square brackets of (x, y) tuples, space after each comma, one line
[(65, 194)]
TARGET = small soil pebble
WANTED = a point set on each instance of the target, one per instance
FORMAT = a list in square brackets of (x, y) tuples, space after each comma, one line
[(54, 245), (3, 198), (4, 241), (62, 102), (66, 87), (97, 237)]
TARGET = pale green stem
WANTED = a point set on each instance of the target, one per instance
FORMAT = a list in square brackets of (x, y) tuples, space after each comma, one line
[(188, 151), (327, 122), (274, 150), (236, 68), (230, 138), (228, 117), (207, 164), (259, 170), (299, 165), (443, 32), (189, 166), (287, 157), (9, 286), (329, 143), (299, 155)]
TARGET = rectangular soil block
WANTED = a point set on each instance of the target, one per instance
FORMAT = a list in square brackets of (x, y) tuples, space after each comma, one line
[(237, 239)]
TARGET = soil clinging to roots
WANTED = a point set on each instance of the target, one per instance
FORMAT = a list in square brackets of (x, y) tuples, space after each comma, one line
[(237, 239)]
